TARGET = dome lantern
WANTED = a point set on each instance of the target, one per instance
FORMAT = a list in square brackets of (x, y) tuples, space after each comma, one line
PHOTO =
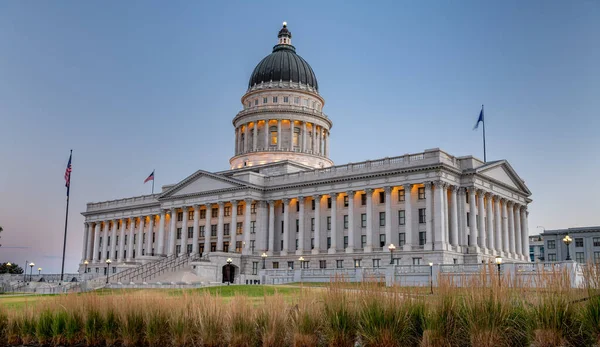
[(285, 36)]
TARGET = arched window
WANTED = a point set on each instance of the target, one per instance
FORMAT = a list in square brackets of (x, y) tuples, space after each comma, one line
[(296, 137), (243, 142), (273, 131)]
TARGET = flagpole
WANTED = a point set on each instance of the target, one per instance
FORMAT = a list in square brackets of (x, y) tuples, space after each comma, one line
[(483, 121), (153, 181), (62, 268)]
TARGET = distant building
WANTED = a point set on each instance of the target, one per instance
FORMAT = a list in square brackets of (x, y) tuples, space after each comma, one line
[(584, 248), (536, 248)]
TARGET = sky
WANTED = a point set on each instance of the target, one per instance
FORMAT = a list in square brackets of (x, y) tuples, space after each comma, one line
[(137, 86)]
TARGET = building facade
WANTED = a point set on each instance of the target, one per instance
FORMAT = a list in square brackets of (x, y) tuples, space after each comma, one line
[(285, 200), (536, 248), (584, 248)]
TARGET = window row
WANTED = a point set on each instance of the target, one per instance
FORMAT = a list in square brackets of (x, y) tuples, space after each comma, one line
[(286, 100), (214, 213)]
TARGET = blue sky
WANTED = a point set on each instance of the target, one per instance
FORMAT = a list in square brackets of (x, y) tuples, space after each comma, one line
[(141, 85)]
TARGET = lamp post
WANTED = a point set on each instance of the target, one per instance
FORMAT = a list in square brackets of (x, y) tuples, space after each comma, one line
[(498, 263), (431, 277), (391, 247), (301, 259), (264, 258), (567, 240), (25, 271), (31, 265), (229, 261), (85, 263), (39, 271), (108, 261)]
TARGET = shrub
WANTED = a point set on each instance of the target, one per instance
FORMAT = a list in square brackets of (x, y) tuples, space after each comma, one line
[(339, 319), (58, 327), (241, 324), (92, 329)]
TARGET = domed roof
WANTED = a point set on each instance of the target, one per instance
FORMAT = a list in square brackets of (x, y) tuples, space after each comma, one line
[(283, 65)]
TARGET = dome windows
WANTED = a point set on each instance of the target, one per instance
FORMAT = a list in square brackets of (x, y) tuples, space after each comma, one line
[(296, 100), (274, 99), (255, 102), (285, 99), (273, 131), (265, 100)]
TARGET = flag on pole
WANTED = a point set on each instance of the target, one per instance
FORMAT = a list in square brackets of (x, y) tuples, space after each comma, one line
[(480, 119), (68, 175), (150, 178)]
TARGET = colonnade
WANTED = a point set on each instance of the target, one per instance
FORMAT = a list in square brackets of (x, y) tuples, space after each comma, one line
[(428, 216)]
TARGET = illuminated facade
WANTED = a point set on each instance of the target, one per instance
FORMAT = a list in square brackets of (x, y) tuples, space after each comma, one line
[(284, 199)]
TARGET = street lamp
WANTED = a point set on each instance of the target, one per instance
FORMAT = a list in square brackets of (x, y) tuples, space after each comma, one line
[(108, 261), (391, 247), (301, 259), (39, 271), (31, 265), (567, 240), (498, 263), (229, 261), (431, 277), (25, 271), (85, 263), (264, 258)]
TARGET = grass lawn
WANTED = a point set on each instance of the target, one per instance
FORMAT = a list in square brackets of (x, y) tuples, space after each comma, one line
[(256, 293)]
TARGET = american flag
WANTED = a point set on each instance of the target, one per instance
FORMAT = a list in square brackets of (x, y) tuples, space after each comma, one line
[(68, 174), (150, 178)]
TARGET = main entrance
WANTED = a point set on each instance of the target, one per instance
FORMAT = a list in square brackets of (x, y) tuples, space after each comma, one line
[(229, 273)]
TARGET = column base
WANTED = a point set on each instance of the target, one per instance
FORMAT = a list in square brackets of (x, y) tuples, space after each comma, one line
[(407, 247), (299, 252), (283, 253), (315, 251), (350, 250), (441, 246), (331, 251), (368, 249)]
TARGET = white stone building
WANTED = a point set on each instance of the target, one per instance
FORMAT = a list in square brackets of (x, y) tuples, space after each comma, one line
[(283, 197), (584, 248)]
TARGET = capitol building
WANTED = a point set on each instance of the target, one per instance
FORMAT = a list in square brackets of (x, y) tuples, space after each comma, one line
[(283, 203)]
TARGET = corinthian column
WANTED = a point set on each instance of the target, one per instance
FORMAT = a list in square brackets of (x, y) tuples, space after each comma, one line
[(317, 232), (334, 233), (105, 248), (453, 216), (462, 216), (196, 230), (301, 232), (428, 217), (86, 228), (130, 239), (172, 232), (248, 203), (440, 234), (472, 217), (408, 221), (525, 233), (498, 222), (511, 227), (161, 233), (490, 222), (184, 231), (518, 246), (233, 226), (481, 224), (96, 242), (90, 243), (254, 145), (220, 225), (304, 147), (286, 226), (350, 248), (279, 134), (149, 235), (207, 232), (388, 216), (369, 246), (505, 241), (271, 230), (121, 240), (140, 237)]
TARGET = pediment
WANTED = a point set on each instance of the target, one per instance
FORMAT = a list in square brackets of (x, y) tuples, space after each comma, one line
[(201, 182), (502, 172)]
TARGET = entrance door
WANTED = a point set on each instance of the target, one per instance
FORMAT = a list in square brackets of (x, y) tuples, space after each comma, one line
[(228, 273)]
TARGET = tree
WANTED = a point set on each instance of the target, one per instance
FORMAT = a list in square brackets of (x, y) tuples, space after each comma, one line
[(12, 269)]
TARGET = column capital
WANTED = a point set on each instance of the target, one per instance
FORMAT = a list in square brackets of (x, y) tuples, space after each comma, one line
[(369, 191), (407, 186), (173, 210), (334, 195), (208, 206), (462, 190), (195, 206), (524, 208), (488, 195), (317, 197), (248, 200), (509, 203), (221, 204), (286, 201), (86, 224), (262, 203), (350, 193), (272, 202), (301, 198), (387, 189), (184, 207), (472, 190), (428, 184), (234, 202), (480, 191), (439, 184), (453, 188)]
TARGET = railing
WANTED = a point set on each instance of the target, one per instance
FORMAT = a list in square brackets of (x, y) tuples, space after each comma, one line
[(276, 149), (281, 108), (412, 269), (138, 200)]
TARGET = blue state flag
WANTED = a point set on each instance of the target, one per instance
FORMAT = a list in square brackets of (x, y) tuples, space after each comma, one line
[(480, 119)]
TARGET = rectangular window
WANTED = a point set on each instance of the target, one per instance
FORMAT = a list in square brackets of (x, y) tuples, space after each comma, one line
[(401, 217), (596, 257), (238, 246), (401, 239), (213, 230), (381, 240), (253, 208), (100, 240), (227, 211), (312, 243), (346, 198), (179, 216), (252, 242), (255, 101), (328, 242), (357, 262), (363, 241), (190, 232), (312, 224), (255, 268), (296, 244), (421, 192), (226, 227), (290, 265), (579, 242), (177, 250), (190, 216), (339, 264), (313, 204), (416, 261), (345, 242), (422, 215), (306, 102), (274, 99), (225, 246), (202, 214), (126, 237), (252, 227), (296, 100), (552, 257), (552, 244), (381, 197), (363, 220), (240, 210), (189, 249), (328, 202), (239, 228), (468, 218), (381, 219), (178, 234), (282, 208), (422, 238), (363, 199), (201, 233), (322, 264), (596, 241), (108, 240), (328, 223), (213, 246), (298, 206), (345, 222), (376, 262), (265, 100), (286, 99), (579, 257), (275, 265), (297, 225), (214, 212), (401, 195)]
